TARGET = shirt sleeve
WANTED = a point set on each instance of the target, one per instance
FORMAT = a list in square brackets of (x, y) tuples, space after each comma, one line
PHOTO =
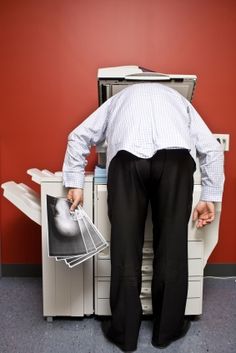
[(211, 158), (91, 132)]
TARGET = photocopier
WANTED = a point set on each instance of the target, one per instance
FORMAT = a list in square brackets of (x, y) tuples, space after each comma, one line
[(84, 289)]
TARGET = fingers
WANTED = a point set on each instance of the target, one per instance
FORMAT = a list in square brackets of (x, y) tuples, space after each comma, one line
[(211, 218), (74, 205), (201, 223), (204, 220)]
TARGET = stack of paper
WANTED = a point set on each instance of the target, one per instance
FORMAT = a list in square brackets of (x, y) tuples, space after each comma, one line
[(72, 237)]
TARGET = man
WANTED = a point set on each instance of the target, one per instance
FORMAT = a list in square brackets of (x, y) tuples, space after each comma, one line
[(150, 131)]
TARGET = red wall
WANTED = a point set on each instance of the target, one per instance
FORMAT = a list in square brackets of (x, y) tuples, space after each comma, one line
[(51, 50)]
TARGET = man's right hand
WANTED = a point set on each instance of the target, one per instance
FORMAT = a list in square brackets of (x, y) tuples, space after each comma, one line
[(76, 197)]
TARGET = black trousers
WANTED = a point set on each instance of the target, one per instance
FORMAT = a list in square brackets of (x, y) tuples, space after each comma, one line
[(166, 181)]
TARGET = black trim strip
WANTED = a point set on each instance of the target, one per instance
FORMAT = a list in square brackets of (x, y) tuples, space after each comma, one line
[(23, 270), (220, 270)]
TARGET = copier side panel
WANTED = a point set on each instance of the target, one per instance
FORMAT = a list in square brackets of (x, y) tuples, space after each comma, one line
[(64, 288)]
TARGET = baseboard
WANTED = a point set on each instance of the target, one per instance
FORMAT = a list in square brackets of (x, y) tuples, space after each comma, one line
[(220, 270), (22, 270)]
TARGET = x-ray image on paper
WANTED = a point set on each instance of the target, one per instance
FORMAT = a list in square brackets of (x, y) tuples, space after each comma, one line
[(72, 236), (80, 259), (77, 260), (87, 237), (95, 234), (64, 235)]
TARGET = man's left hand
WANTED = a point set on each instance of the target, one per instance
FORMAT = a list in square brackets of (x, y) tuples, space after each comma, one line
[(204, 213)]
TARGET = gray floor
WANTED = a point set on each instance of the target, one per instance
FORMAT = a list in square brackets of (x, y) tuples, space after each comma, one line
[(23, 329)]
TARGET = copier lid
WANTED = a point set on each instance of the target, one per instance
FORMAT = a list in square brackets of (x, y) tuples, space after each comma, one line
[(118, 71), (112, 80)]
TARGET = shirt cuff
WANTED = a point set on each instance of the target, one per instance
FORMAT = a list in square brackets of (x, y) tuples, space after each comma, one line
[(73, 180), (211, 194)]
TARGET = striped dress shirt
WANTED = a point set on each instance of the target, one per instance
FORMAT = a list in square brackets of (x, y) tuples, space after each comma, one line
[(142, 119)]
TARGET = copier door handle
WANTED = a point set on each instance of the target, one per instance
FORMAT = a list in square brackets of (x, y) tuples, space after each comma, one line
[(148, 76)]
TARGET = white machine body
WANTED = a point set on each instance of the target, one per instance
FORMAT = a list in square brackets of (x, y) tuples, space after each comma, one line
[(66, 291), (83, 290)]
